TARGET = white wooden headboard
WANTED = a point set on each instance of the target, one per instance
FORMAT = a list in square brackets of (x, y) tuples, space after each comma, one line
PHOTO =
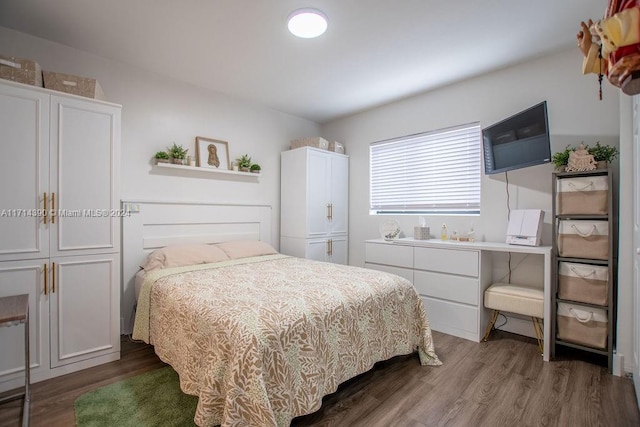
[(155, 224)]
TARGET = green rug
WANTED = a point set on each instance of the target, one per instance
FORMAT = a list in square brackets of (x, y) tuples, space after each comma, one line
[(150, 399)]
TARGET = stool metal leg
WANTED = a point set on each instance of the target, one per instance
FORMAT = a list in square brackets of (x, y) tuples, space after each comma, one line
[(492, 321), (27, 373), (537, 327)]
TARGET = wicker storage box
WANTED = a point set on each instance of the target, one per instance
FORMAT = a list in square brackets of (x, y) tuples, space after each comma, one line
[(336, 146), (20, 70), (583, 283), (582, 325), (583, 239), (421, 233), (314, 141), (75, 85), (584, 195)]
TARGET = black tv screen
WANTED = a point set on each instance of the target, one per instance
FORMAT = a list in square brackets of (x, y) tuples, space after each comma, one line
[(519, 141)]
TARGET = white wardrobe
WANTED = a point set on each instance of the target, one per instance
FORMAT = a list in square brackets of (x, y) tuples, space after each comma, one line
[(314, 215), (60, 156)]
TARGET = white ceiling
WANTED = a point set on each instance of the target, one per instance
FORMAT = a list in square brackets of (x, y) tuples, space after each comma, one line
[(374, 51)]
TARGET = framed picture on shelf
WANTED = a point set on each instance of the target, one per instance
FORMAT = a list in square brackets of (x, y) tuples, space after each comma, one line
[(212, 153)]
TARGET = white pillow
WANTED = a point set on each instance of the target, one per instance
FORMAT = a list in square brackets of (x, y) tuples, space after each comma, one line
[(181, 255), (246, 248)]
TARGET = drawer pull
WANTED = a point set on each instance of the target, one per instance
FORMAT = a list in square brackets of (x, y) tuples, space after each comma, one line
[(583, 234), (572, 185), (583, 276), (580, 319)]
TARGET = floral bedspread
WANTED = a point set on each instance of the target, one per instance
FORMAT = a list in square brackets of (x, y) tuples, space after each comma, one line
[(261, 340)]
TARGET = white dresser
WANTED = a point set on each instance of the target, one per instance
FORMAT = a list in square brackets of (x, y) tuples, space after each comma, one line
[(451, 278)]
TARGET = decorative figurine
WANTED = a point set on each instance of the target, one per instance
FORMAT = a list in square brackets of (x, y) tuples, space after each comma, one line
[(611, 46), (581, 160)]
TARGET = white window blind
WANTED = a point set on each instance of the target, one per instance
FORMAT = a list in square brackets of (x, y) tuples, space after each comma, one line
[(431, 172)]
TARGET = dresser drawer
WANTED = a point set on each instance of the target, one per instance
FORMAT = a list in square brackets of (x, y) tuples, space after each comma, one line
[(452, 318), (388, 254), (399, 271), (464, 263), (454, 288)]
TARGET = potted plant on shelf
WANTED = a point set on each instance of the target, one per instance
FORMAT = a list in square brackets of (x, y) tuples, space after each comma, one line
[(603, 154), (244, 162), (178, 154), (561, 158), (161, 157), (255, 168)]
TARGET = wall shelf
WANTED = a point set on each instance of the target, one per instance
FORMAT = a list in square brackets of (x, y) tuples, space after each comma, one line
[(213, 173)]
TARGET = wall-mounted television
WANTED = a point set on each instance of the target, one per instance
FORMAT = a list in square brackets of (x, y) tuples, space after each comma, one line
[(519, 141)]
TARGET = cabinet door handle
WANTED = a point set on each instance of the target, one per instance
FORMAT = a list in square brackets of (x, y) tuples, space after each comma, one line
[(53, 277), (330, 247), (45, 212), (53, 208), (46, 279), (331, 211), (328, 211)]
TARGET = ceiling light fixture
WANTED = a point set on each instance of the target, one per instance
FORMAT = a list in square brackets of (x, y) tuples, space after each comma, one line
[(307, 23)]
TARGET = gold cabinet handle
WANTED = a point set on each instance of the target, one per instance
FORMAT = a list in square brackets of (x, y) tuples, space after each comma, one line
[(46, 279), (45, 212), (328, 210), (53, 277), (53, 208)]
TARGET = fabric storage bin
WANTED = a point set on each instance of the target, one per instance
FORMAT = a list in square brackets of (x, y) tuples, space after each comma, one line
[(20, 70), (582, 325), (583, 195), (336, 147), (583, 283), (76, 85), (314, 141), (583, 239)]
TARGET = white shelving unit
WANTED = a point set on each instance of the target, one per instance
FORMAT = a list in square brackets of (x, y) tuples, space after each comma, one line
[(610, 263)]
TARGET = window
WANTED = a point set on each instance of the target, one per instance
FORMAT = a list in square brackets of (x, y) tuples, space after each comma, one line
[(434, 172)]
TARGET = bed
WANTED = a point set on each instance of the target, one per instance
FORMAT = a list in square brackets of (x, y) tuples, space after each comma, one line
[(261, 337)]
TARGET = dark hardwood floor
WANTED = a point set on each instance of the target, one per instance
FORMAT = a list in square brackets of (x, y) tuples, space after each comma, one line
[(503, 382)]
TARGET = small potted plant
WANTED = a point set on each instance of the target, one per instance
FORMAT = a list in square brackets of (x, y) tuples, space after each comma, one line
[(603, 154), (561, 158), (244, 162), (178, 154), (255, 168), (162, 157)]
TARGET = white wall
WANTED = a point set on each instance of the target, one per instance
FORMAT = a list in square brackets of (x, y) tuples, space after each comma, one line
[(575, 115), (158, 111)]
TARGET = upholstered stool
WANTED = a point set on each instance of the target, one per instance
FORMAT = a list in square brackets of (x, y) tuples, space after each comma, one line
[(519, 299)]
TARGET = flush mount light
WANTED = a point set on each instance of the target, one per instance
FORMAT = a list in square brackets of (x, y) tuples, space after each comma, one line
[(307, 23)]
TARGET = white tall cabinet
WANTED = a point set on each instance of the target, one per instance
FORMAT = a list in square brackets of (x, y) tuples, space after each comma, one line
[(60, 156), (314, 215)]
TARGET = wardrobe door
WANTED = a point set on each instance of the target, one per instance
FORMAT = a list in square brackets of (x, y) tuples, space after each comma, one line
[(24, 173), (85, 160)]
